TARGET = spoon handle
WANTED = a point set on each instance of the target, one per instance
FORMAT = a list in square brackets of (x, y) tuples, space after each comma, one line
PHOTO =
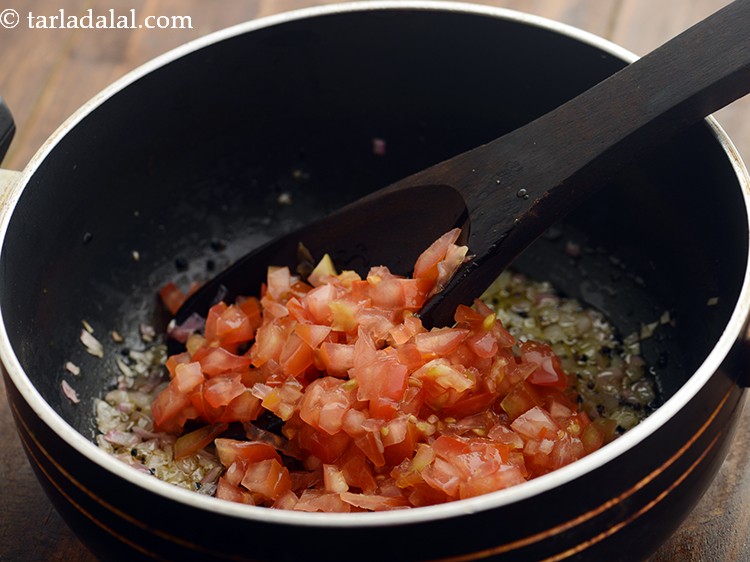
[(541, 171)]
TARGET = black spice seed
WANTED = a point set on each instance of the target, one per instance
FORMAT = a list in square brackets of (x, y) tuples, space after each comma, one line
[(181, 264), (210, 265), (133, 452), (218, 245)]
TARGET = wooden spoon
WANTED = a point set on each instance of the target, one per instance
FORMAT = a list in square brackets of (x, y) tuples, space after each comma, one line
[(507, 192)]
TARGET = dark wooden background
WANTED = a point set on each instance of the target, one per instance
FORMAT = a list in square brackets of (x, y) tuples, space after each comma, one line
[(45, 74)]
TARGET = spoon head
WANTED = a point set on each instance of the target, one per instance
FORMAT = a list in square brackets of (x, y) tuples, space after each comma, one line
[(389, 227)]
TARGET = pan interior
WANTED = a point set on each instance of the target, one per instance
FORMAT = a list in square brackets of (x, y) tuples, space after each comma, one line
[(192, 164)]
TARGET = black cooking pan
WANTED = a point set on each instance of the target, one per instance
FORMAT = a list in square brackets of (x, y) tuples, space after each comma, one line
[(185, 164)]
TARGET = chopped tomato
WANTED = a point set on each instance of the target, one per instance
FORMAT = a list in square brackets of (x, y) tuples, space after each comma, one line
[(318, 301), (548, 368), (233, 325), (233, 450), (230, 492), (312, 334), (296, 356), (323, 271), (242, 408), (220, 391), (337, 358), (371, 444), (439, 342), (269, 478), (325, 403), (378, 413), (383, 377), (444, 384), (269, 342), (334, 479), (279, 282), (174, 360), (187, 376), (320, 500), (172, 297), (400, 437), (212, 318), (218, 360), (281, 400), (324, 446), (251, 307), (169, 409), (357, 470), (426, 266), (373, 502), (504, 477), (535, 423), (521, 398)]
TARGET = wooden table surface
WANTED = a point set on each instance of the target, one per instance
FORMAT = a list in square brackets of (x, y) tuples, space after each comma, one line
[(45, 74)]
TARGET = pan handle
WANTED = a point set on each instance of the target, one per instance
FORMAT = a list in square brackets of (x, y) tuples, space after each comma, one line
[(7, 128)]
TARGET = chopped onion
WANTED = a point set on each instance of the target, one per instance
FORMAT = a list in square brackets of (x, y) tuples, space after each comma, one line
[(69, 392), (124, 438), (93, 345), (159, 436), (72, 368), (148, 333), (124, 369), (183, 331)]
